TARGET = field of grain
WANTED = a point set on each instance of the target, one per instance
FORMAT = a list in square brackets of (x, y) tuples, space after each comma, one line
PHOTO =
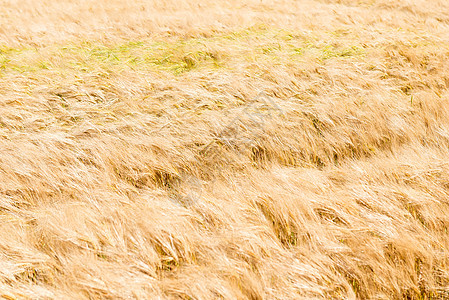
[(247, 149)]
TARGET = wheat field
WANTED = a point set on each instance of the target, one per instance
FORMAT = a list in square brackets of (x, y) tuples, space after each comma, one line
[(247, 149)]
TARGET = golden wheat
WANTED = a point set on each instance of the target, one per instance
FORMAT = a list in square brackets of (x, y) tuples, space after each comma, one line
[(224, 150)]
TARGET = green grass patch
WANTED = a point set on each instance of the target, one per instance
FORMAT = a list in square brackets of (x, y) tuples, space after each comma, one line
[(177, 56), (331, 51)]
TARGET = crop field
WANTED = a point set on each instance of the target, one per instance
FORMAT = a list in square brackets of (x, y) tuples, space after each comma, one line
[(246, 149)]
